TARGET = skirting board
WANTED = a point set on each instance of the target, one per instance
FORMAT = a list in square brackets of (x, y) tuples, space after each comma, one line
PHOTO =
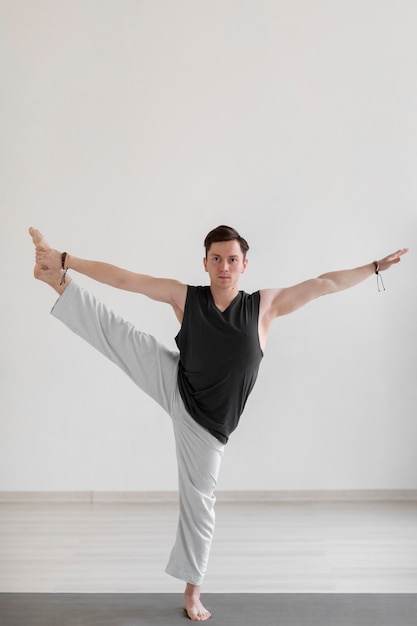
[(146, 497)]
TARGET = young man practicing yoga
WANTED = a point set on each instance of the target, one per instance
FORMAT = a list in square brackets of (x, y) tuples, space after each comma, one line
[(204, 386)]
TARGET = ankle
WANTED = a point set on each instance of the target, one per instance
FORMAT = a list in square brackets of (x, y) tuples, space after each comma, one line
[(192, 590), (53, 278)]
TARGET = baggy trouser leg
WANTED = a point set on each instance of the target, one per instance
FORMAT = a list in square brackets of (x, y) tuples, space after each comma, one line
[(148, 363), (199, 456)]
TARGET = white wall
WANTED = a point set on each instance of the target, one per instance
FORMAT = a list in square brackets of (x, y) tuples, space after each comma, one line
[(130, 129)]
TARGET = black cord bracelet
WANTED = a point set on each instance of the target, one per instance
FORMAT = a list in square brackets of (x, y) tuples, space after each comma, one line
[(378, 276)]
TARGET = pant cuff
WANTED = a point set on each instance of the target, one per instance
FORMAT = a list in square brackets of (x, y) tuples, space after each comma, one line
[(187, 577)]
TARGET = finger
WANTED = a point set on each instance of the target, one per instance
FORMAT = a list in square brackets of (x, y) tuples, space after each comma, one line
[(400, 252), (395, 255)]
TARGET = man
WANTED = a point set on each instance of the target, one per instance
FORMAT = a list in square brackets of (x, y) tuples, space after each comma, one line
[(203, 387)]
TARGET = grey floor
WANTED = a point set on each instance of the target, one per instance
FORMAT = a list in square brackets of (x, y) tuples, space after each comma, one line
[(230, 609)]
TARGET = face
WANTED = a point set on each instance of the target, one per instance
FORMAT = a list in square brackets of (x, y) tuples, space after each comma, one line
[(224, 264)]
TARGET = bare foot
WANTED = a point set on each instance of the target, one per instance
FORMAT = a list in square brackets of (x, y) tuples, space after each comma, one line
[(38, 239), (50, 273), (193, 606)]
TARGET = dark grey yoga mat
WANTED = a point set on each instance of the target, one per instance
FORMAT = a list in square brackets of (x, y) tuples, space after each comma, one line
[(229, 609)]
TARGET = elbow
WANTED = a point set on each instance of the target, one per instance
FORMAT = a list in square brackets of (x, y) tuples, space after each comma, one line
[(325, 286)]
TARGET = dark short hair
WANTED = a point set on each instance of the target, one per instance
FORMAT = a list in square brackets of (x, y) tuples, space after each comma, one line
[(225, 233)]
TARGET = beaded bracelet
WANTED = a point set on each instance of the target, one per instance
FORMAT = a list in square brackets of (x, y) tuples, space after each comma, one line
[(63, 258)]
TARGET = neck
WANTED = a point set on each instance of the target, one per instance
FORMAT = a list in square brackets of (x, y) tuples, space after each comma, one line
[(223, 297)]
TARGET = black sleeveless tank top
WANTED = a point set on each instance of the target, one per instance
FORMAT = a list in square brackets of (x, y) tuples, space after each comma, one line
[(219, 358)]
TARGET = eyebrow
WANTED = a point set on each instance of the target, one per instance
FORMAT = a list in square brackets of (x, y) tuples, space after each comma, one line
[(230, 256)]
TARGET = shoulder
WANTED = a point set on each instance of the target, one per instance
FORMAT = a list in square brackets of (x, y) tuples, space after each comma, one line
[(250, 298), (268, 299), (196, 295), (196, 291)]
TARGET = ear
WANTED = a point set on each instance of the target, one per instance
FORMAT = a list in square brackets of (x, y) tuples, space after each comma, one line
[(205, 264), (245, 262)]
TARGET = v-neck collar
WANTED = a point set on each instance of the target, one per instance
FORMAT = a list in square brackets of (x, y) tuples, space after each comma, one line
[(229, 305)]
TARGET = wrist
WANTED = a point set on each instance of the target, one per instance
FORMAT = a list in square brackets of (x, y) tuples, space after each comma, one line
[(70, 262), (67, 264), (64, 267), (377, 269)]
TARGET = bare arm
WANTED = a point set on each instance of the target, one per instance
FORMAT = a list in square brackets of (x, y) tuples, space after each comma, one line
[(160, 289), (277, 302), (287, 300), (165, 290)]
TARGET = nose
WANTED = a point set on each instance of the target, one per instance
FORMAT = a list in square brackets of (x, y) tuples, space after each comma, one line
[(225, 265)]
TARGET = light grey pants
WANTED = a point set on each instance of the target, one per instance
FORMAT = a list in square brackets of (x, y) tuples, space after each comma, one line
[(154, 368)]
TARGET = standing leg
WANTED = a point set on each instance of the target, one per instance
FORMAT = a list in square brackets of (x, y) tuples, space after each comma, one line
[(199, 456)]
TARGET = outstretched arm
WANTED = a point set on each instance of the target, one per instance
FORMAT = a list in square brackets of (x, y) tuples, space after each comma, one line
[(161, 289), (276, 302)]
